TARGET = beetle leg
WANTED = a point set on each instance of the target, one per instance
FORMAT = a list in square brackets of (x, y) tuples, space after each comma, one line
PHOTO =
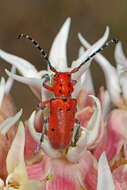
[(77, 132), (42, 136), (74, 82), (47, 86), (42, 104), (47, 78)]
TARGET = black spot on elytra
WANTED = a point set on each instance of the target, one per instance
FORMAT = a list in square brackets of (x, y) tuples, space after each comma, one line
[(53, 129), (60, 85), (69, 109), (59, 109), (60, 91), (64, 99)]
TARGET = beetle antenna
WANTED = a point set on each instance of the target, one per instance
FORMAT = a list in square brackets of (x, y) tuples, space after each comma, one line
[(107, 44), (20, 36)]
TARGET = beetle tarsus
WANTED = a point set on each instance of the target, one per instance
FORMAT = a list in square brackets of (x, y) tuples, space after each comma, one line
[(77, 132)]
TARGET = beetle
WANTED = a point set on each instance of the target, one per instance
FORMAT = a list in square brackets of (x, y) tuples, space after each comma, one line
[(61, 120)]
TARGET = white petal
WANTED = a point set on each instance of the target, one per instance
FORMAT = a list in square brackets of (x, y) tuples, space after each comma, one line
[(23, 66), (89, 81), (106, 104), (92, 49), (15, 155), (112, 79), (1, 184), (124, 87), (81, 51), (34, 83), (58, 55), (121, 61), (111, 75), (89, 87), (85, 80), (78, 74), (10, 80), (105, 180), (87, 54), (119, 55), (75, 153), (94, 123), (8, 123), (85, 68), (80, 83), (2, 90), (36, 136)]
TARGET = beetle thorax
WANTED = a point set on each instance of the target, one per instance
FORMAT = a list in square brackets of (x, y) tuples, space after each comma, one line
[(63, 86)]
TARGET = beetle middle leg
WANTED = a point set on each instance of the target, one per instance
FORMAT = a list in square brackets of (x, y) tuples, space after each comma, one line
[(77, 131), (42, 104), (42, 136)]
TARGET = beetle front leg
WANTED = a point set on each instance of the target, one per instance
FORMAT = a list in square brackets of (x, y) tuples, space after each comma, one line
[(42, 136), (74, 82), (47, 78), (77, 131)]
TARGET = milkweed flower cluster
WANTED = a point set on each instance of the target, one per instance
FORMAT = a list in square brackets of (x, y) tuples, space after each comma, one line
[(98, 161)]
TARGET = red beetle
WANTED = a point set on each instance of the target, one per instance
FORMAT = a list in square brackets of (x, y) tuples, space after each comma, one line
[(63, 107)]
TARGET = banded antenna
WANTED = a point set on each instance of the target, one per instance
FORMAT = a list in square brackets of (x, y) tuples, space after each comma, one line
[(107, 44), (21, 36)]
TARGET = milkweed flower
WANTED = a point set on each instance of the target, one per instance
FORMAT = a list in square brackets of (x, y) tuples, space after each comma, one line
[(115, 77), (114, 141), (115, 80), (8, 120), (58, 59), (17, 174), (112, 179), (77, 166)]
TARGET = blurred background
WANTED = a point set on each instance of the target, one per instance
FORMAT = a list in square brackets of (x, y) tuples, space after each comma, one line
[(43, 19)]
